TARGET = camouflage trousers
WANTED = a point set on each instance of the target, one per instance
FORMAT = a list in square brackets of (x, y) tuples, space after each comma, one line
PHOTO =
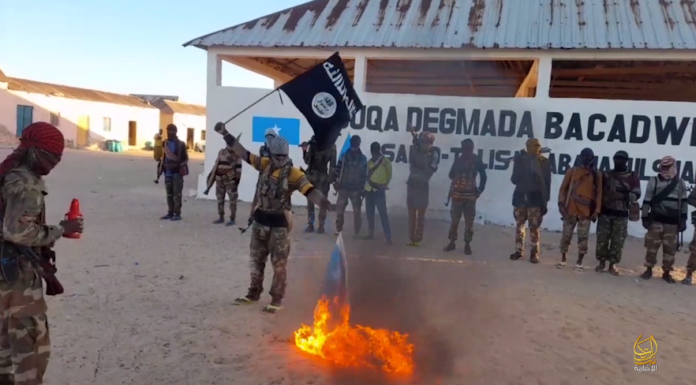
[(355, 198), (569, 225), (660, 234), (321, 184), (25, 346), (264, 241), (467, 209), (174, 185), (611, 236), (225, 185), (522, 216), (691, 263)]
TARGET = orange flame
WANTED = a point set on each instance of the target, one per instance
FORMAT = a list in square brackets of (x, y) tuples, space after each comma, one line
[(354, 346)]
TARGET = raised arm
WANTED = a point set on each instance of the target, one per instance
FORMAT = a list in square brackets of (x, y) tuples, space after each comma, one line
[(23, 206)]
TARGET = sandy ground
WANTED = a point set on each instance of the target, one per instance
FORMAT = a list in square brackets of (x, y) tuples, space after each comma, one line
[(150, 302)]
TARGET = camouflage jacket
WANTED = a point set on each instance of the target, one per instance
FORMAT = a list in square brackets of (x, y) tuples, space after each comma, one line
[(23, 210), (319, 163)]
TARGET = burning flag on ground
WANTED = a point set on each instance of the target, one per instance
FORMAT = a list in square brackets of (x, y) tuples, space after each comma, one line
[(334, 339)]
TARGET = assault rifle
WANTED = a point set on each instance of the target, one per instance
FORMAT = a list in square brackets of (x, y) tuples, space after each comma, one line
[(544, 150), (44, 265)]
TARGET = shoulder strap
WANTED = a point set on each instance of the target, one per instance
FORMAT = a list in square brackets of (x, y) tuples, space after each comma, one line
[(664, 193), (375, 167)]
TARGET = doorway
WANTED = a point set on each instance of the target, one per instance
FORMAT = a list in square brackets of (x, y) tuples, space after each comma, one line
[(25, 117), (189, 137), (82, 138), (132, 133)]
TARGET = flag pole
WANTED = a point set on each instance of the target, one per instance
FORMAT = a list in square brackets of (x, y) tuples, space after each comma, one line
[(251, 105)]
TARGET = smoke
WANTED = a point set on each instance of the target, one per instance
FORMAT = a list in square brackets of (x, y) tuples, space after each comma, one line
[(429, 301)]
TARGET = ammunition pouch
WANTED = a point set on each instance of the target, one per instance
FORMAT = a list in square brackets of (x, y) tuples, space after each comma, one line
[(9, 262)]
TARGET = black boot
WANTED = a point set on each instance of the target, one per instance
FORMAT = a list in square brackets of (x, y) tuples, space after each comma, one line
[(647, 274), (467, 248), (667, 277), (534, 258), (600, 267), (612, 270), (450, 246), (515, 256), (687, 280), (220, 220), (321, 230), (309, 228)]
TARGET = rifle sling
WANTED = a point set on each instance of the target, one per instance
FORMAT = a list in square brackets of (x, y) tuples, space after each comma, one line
[(664, 193)]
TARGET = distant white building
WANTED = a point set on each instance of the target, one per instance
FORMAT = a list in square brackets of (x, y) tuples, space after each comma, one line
[(84, 116)]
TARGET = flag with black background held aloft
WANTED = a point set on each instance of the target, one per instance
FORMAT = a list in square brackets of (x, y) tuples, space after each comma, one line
[(326, 97)]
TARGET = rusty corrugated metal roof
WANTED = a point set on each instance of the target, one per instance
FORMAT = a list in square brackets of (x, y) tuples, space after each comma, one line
[(536, 24), (34, 87)]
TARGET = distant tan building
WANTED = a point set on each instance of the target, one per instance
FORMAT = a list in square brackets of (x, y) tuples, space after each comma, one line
[(188, 118)]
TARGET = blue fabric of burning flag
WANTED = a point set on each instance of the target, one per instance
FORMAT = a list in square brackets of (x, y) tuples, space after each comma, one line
[(336, 280)]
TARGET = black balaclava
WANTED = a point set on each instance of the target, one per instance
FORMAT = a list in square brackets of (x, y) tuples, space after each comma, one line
[(621, 161), (171, 131), (355, 143)]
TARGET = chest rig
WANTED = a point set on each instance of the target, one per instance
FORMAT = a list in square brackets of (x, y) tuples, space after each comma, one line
[(274, 194)]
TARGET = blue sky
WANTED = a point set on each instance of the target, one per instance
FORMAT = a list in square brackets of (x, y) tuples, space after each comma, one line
[(124, 46)]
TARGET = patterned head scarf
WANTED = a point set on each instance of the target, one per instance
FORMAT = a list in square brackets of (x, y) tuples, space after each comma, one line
[(426, 139), (279, 149), (270, 135), (41, 147), (533, 146), (668, 167)]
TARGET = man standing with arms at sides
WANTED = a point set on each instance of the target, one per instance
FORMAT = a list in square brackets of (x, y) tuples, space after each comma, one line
[(621, 193), (320, 168), (664, 215), (278, 179), (226, 174), (423, 163), (579, 202), (350, 177), (379, 174), (25, 347), (264, 153), (531, 175), (464, 193), (175, 165)]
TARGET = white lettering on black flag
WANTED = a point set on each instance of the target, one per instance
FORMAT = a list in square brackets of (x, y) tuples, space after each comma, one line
[(326, 97)]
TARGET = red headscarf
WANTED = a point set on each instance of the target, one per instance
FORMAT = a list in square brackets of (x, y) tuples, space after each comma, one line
[(41, 146)]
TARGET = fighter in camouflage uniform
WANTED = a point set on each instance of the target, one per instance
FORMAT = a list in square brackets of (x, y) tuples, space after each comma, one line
[(319, 163), (226, 174), (278, 179), (264, 153), (664, 214), (24, 338), (464, 193), (531, 175)]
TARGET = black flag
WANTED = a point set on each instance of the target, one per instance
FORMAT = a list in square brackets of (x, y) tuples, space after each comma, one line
[(326, 98)]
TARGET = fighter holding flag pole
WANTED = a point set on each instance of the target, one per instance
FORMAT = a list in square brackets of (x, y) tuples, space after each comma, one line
[(325, 96)]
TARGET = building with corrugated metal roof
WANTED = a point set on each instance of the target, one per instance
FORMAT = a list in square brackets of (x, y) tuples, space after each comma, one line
[(600, 74)]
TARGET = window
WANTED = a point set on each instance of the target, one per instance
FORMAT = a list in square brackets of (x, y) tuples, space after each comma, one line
[(25, 117), (107, 124), (55, 118), (202, 134)]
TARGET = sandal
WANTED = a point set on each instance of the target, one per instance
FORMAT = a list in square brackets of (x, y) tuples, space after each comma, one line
[(561, 265), (243, 301), (271, 309), (579, 268)]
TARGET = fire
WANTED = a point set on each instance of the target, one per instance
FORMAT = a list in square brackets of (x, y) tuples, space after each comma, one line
[(354, 346)]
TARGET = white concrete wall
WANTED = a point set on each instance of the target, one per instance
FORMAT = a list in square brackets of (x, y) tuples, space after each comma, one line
[(71, 109), (185, 121), (604, 126)]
